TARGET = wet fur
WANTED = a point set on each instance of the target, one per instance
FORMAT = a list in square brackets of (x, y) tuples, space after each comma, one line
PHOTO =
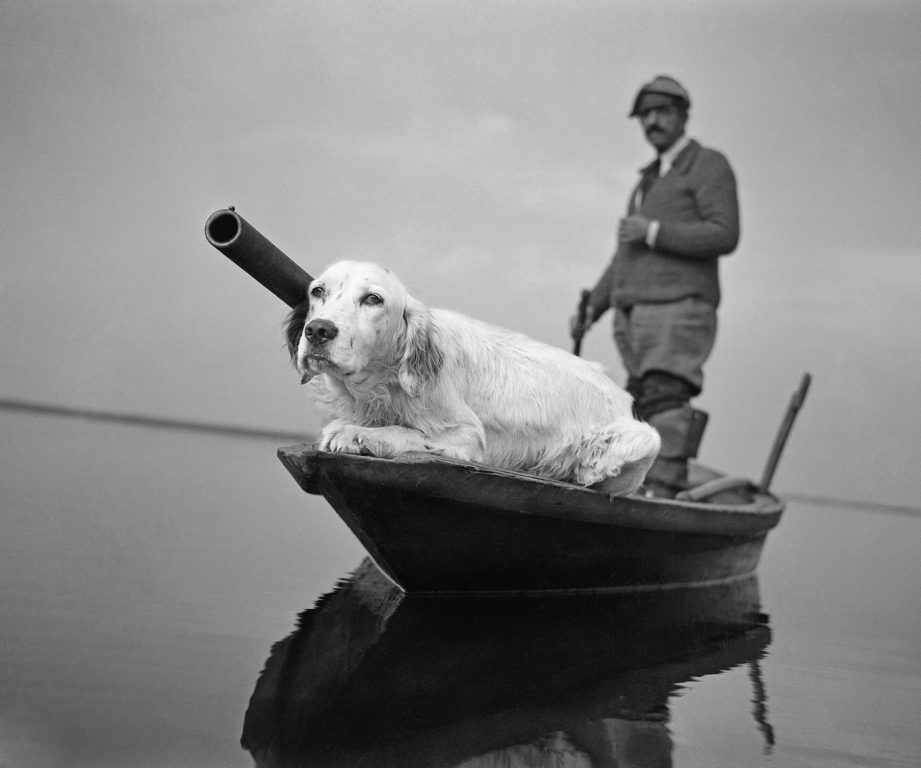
[(401, 377)]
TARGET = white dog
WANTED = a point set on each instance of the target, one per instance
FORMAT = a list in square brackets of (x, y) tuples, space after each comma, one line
[(394, 377)]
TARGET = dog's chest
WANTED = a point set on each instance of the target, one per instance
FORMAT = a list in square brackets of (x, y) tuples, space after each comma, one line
[(386, 405)]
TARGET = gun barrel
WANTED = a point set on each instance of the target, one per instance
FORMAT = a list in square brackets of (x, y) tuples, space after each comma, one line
[(250, 250)]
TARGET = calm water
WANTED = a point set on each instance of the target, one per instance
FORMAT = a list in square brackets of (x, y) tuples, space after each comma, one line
[(145, 577)]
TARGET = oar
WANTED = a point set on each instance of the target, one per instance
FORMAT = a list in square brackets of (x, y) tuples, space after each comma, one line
[(250, 250), (719, 484), (796, 402)]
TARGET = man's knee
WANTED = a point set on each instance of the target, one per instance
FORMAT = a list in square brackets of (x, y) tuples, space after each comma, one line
[(658, 391)]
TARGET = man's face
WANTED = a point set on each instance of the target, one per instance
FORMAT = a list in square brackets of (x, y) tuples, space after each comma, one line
[(663, 125)]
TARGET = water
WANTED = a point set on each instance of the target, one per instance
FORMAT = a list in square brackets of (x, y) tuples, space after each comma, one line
[(145, 576)]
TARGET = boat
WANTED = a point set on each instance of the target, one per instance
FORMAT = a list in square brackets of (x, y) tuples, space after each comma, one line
[(374, 677), (436, 525)]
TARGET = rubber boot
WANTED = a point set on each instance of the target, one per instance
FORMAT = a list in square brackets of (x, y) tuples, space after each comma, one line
[(681, 430)]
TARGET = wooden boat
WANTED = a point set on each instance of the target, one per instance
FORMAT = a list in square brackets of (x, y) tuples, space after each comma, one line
[(441, 526), (373, 677)]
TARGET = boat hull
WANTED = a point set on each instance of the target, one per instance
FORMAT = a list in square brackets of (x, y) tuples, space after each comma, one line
[(437, 526)]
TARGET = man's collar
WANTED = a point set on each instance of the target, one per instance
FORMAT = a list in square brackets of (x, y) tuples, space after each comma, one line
[(668, 157)]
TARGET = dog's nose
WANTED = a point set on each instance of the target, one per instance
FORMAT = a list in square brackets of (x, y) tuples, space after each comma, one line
[(319, 331)]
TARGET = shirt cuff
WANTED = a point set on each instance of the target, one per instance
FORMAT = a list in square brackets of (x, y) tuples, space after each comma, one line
[(652, 232)]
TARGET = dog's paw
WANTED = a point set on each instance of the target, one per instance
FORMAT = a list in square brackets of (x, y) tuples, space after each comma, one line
[(348, 438), (344, 438)]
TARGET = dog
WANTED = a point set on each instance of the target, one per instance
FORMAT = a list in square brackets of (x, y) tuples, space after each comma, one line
[(394, 376)]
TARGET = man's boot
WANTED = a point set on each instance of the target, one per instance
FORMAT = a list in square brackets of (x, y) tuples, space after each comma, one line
[(681, 430)]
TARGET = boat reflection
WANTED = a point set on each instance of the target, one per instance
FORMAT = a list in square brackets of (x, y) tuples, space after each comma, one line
[(371, 677)]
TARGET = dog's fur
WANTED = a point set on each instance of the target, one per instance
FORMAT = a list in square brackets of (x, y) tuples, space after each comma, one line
[(395, 377)]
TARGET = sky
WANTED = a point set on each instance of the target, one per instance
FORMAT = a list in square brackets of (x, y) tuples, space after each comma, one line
[(483, 151)]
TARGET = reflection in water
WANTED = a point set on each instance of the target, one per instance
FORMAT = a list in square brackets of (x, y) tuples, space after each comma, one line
[(373, 678)]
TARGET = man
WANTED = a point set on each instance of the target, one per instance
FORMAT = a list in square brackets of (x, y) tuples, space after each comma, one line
[(663, 282)]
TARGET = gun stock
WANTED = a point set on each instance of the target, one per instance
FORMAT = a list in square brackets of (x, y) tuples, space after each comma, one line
[(250, 250), (581, 316)]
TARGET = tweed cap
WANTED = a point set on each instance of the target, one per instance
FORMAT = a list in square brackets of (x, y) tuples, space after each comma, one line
[(660, 91)]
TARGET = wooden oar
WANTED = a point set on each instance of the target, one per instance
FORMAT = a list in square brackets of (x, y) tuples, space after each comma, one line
[(712, 487), (796, 402)]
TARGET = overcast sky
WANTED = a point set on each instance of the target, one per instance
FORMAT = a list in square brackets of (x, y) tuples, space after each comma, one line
[(482, 150)]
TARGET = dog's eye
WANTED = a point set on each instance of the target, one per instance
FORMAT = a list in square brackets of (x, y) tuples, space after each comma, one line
[(372, 300), (317, 292)]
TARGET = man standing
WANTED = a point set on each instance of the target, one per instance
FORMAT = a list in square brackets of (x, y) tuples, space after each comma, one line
[(663, 282)]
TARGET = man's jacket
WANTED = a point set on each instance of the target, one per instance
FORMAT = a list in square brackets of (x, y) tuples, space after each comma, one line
[(698, 211)]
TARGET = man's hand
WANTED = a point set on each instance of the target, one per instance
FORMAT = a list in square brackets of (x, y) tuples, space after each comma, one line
[(578, 326), (581, 321), (632, 229)]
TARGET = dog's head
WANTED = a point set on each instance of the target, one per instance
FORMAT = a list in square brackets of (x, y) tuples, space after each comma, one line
[(359, 323)]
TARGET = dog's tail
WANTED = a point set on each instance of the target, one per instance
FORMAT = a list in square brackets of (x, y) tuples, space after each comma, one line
[(618, 457)]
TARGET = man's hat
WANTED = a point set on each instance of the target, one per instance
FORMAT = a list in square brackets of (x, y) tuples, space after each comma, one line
[(661, 91)]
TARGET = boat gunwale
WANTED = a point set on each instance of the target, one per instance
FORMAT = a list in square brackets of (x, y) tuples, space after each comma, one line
[(527, 494)]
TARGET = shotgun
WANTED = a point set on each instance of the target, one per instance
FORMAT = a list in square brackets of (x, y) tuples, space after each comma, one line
[(250, 250)]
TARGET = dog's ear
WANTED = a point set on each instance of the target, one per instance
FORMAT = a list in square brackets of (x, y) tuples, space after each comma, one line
[(422, 357), (294, 327)]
